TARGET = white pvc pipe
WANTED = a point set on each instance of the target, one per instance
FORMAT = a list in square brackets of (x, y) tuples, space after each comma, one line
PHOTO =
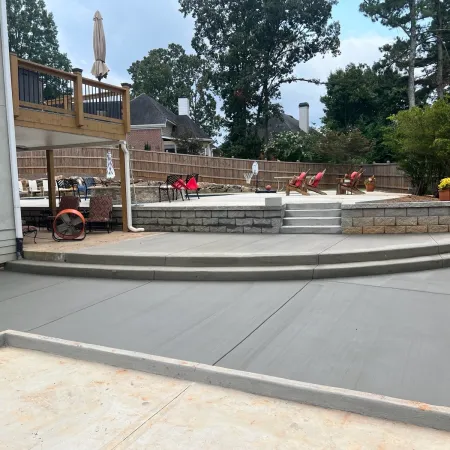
[(11, 129), (126, 153)]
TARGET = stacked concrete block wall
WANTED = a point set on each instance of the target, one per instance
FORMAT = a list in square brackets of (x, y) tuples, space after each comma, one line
[(250, 219), (238, 219), (396, 218)]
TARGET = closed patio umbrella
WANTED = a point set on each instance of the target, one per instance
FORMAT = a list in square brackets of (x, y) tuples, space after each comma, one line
[(99, 69)]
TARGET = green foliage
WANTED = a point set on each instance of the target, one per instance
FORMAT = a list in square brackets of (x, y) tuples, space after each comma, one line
[(167, 74), (190, 146), (349, 147), (253, 47), (362, 97), (293, 146), (147, 146), (324, 145), (421, 139), (33, 35)]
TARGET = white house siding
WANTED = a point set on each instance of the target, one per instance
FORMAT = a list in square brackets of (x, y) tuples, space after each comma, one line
[(7, 230)]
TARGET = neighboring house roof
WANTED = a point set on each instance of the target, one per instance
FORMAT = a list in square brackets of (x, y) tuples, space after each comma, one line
[(145, 110), (283, 123), (186, 127)]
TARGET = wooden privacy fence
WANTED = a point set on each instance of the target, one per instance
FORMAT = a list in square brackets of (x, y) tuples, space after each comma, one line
[(151, 165)]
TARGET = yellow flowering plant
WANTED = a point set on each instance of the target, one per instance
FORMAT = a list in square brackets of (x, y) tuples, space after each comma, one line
[(444, 184)]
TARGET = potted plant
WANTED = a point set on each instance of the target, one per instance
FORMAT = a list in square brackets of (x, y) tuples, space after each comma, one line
[(370, 183), (444, 190)]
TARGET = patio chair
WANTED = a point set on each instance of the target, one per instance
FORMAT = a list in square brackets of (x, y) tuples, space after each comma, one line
[(192, 183), (351, 185), (313, 183), (100, 212), (175, 184), (65, 185), (22, 191), (33, 187), (83, 189), (30, 230), (297, 184)]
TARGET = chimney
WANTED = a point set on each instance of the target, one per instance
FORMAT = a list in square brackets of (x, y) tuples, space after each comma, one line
[(303, 117), (183, 107)]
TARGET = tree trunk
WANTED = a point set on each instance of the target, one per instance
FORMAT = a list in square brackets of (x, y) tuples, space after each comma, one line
[(440, 52), (412, 55)]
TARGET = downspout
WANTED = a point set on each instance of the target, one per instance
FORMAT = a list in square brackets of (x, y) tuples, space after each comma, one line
[(11, 130), (126, 154)]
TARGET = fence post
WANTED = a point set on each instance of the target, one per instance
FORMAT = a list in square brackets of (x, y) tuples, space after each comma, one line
[(78, 97), (14, 63)]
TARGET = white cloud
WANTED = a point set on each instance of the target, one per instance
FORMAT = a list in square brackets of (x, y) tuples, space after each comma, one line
[(362, 49)]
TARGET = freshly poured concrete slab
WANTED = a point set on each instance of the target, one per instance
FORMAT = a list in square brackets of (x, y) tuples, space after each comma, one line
[(54, 402), (60, 297), (16, 284), (428, 281), (192, 321), (185, 244), (384, 341)]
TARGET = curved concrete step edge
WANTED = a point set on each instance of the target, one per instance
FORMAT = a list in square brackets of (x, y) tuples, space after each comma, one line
[(279, 273), (372, 405), (238, 260)]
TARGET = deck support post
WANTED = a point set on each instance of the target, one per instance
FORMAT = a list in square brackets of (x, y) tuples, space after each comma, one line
[(51, 181)]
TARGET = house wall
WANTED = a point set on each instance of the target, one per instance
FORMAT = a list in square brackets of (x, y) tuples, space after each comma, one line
[(168, 131), (138, 138), (7, 228)]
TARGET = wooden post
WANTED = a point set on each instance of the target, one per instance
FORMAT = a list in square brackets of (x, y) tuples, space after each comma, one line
[(126, 107), (123, 191), (14, 63), (51, 181), (78, 97)]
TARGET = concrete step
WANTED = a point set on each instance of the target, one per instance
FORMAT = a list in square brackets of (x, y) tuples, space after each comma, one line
[(285, 272), (240, 259), (313, 213), (317, 205), (311, 229), (311, 221)]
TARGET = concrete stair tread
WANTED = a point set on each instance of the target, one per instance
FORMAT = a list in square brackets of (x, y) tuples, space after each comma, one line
[(311, 229), (291, 213), (318, 205), (248, 273)]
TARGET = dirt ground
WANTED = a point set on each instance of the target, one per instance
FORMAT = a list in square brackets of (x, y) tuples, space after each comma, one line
[(44, 241), (409, 198)]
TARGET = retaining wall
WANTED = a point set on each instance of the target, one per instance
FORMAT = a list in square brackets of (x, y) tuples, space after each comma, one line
[(214, 219), (396, 218)]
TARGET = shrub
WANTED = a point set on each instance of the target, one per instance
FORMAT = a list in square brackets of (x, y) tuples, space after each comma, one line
[(420, 138)]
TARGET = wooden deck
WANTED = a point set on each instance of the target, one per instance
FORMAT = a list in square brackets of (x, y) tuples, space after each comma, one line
[(56, 101)]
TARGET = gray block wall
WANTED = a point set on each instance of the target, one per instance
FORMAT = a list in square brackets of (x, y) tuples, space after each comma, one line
[(396, 218)]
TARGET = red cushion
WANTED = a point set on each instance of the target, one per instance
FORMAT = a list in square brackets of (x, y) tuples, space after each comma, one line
[(192, 184), (353, 175), (300, 179), (179, 184), (317, 179)]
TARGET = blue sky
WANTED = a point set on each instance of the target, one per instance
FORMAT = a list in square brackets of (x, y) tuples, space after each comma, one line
[(142, 25)]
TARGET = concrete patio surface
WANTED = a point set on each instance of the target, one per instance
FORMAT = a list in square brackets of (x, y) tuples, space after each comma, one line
[(385, 335), (245, 199), (56, 402)]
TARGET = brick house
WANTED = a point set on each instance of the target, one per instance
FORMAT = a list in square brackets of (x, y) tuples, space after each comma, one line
[(155, 127)]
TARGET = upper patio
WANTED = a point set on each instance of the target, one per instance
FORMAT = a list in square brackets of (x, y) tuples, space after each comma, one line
[(57, 109)]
